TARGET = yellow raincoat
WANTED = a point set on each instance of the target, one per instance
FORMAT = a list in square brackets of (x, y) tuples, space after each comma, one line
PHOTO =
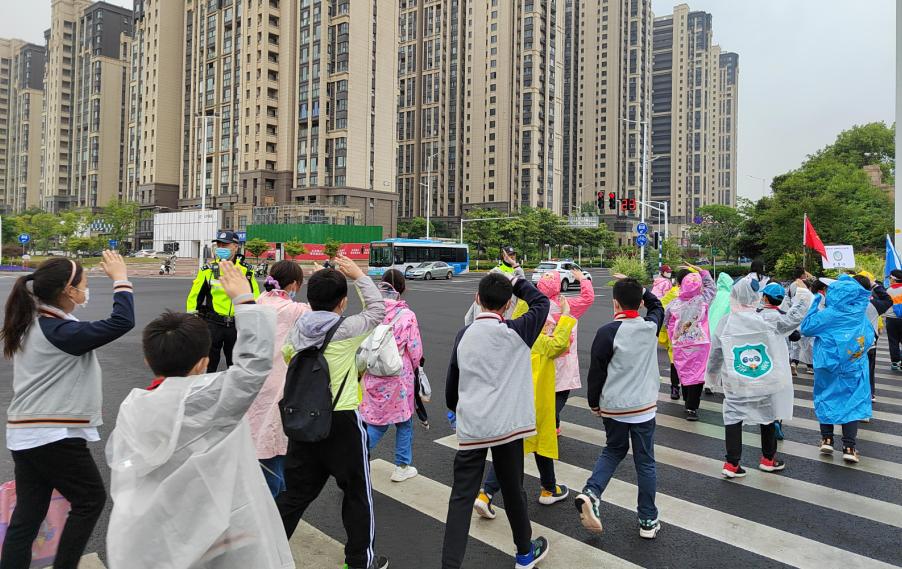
[(544, 352), (663, 337)]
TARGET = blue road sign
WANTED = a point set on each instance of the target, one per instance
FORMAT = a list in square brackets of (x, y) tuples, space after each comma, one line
[(113, 243), (642, 240), (242, 236), (642, 228), (24, 238)]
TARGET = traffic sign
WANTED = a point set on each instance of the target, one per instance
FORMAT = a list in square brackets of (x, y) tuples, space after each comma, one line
[(113, 243), (583, 222), (642, 240), (24, 238), (642, 228)]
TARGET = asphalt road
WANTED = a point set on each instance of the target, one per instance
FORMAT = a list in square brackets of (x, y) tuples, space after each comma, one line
[(816, 513)]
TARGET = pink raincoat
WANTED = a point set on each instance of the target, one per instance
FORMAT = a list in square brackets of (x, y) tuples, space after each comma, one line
[(661, 286), (263, 414), (389, 400), (686, 320), (567, 365)]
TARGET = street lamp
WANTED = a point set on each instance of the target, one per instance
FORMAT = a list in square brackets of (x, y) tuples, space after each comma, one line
[(762, 180), (644, 181), (428, 185)]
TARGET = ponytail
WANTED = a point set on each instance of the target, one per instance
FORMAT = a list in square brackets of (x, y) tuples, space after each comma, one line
[(48, 283)]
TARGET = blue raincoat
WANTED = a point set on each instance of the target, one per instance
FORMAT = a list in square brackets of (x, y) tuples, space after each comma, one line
[(842, 336)]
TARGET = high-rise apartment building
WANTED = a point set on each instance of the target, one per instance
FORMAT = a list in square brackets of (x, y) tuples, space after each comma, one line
[(8, 50), (24, 150), (608, 100), (695, 99)]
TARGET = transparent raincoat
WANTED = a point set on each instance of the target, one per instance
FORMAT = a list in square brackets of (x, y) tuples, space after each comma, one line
[(188, 492)]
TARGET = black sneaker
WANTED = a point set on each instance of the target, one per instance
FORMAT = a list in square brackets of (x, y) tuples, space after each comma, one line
[(537, 552), (827, 445), (587, 504), (708, 391), (648, 529), (850, 455), (692, 414), (674, 393), (380, 562)]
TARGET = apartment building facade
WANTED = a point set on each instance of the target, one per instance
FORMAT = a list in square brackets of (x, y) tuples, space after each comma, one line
[(608, 103), (8, 49), (695, 87), (24, 151)]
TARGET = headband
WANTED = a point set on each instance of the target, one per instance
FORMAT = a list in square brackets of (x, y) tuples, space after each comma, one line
[(72, 276)]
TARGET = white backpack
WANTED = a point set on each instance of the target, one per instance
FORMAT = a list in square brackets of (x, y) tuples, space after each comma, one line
[(379, 354)]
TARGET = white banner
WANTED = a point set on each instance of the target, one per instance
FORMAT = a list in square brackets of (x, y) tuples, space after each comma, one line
[(839, 257)]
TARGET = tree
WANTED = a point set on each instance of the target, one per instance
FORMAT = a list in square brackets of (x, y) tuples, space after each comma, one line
[(294, 248), (44, 229), (10, 230), (720, 228), (415, 228), (256, 247), (77, 245), (332, 248), (122, 219)]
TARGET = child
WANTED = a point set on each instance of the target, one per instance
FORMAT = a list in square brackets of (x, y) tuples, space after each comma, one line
[(894, 320), (282, 285), (686, 320), (56, 403), (489, 388), (843, 335), (881, 301), (663, 283), (623, 390), (549, 346), (187, 488), (664, 339), (390, 400), (343, 454), (750, 359)]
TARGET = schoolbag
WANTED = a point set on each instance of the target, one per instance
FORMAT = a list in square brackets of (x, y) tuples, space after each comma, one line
[(379, 354), (307, 403)]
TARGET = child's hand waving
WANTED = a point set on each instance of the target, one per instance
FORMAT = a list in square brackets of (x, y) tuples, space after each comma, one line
[(114, 266), (565, 306), (234, 283)]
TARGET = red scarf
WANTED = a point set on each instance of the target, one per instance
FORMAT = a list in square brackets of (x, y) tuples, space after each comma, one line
[(623, 315), (157, 382)]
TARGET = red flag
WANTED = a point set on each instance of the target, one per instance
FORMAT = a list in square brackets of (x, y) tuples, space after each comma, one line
[(811, 239)]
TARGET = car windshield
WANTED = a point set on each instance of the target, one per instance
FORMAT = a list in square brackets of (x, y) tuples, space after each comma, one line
[(424, 265), (546, 266)]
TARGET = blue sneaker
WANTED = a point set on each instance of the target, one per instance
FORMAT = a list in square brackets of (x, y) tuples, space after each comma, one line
[(537, 553), (452, 420), (778, 425)]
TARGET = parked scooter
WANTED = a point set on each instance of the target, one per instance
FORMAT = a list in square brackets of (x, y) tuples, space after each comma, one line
[(261, 270), (167, 267)]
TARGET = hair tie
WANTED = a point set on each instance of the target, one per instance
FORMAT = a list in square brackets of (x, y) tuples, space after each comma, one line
[(72, 275), (273, 282)]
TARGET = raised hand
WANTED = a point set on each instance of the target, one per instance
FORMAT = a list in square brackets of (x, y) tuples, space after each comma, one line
[(348, 267), (578, 275), (565, 306), (114, 266), (233, 281)]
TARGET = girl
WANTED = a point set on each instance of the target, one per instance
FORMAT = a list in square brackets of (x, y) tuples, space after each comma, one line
[(283, 283), (56, 404), (389, 400)]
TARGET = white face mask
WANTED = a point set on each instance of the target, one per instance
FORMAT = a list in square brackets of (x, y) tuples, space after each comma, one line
[(87, 293)]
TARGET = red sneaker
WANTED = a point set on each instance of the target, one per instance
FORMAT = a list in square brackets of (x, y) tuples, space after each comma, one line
[(771, 465), (731, 471)]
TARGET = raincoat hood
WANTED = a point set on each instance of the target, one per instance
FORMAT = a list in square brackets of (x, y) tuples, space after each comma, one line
[(392, 308), (743, 296), (721, 305), (724, 282), (550, 284), (691, 286), (311, 329), (847, 296)]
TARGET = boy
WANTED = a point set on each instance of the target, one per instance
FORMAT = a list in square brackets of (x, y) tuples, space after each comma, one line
[(343, 454), (489, 386), (186, 485), (623, 375)]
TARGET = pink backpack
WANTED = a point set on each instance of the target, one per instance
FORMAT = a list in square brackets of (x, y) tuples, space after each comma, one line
[(43, 551)]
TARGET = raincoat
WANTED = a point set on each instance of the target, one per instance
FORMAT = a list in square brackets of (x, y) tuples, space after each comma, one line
[(544, 353), (263, 416), (187, 490), (686, 319), (390, 400), (749, 358), (721, 305), (661, 286), (567, 365), (843, 335), (663, 338)]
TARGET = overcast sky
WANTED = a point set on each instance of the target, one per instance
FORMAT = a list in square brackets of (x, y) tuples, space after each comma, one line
[(807, 70)]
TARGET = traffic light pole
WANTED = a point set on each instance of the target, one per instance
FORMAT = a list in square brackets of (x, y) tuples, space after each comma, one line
[(662, 207)]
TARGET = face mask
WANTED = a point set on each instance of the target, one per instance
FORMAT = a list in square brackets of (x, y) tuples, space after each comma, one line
[(223, 253), (292, 294), (87, 293)]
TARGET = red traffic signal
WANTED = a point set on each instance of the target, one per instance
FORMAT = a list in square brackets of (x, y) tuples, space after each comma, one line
[(612, 201), (599, 201), (628, 204)]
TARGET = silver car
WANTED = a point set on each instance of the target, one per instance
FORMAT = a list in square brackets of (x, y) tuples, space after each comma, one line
[(562, 267), (429, 271)]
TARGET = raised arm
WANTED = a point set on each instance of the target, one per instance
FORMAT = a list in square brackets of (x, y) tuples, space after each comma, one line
[(654, 310), (530, 325), (880, 299), (373, 305), (789, 322), (556, 344), (710, 287), (580, 304)]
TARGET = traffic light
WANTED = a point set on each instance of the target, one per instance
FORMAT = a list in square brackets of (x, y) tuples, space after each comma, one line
[(628, 204), (657, 239), (612, 202), (600, 201)]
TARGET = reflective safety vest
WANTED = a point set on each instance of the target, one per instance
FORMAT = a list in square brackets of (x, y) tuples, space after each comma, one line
[(207, 295)]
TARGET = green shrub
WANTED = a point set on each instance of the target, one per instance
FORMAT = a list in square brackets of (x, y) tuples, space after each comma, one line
[(786, 265), (631, 267)]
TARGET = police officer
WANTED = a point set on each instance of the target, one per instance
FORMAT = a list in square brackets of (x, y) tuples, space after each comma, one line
[(209, 300)]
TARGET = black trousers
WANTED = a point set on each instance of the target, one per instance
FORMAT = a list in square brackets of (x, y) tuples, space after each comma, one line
[(545, 466), (560, 401), (67, 466), (468, 468), (872, 369), (222, 340), (692, 395), (342, 455), (734, 442), (894, 337), (674, 376)]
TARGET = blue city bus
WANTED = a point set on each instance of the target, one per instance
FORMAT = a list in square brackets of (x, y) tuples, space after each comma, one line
[(405, 254)]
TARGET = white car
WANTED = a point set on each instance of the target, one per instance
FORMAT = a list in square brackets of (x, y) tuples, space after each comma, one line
[(562, 267)]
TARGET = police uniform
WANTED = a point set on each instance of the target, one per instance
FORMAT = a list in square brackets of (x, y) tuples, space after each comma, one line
[(208, 299)]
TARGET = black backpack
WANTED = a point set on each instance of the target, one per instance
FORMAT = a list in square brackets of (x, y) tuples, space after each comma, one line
[(307, 403)]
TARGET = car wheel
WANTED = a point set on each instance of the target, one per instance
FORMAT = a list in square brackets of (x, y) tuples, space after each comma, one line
[(450, 274), (565, 285), (428, 276)]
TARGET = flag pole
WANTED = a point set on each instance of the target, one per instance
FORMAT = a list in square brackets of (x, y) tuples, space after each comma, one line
[(804, 235)]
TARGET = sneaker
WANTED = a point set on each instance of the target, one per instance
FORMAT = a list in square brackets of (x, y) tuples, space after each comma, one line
[(771, 465), (587, 505), (483, 506), (865, 420), (827, 445), (850, 455), (692, 414), (560, 493), (778, 426), (708, 391), (380, 562), (558, 431), (896, 366), (648, 529), (674, 393), (403, 473), (731, 471), (794, 369), (538, 551)]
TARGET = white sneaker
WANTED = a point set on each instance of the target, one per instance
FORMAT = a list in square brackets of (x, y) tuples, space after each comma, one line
[(403, 473)]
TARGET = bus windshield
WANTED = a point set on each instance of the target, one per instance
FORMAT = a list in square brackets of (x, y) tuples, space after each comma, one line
[(381, 255)]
